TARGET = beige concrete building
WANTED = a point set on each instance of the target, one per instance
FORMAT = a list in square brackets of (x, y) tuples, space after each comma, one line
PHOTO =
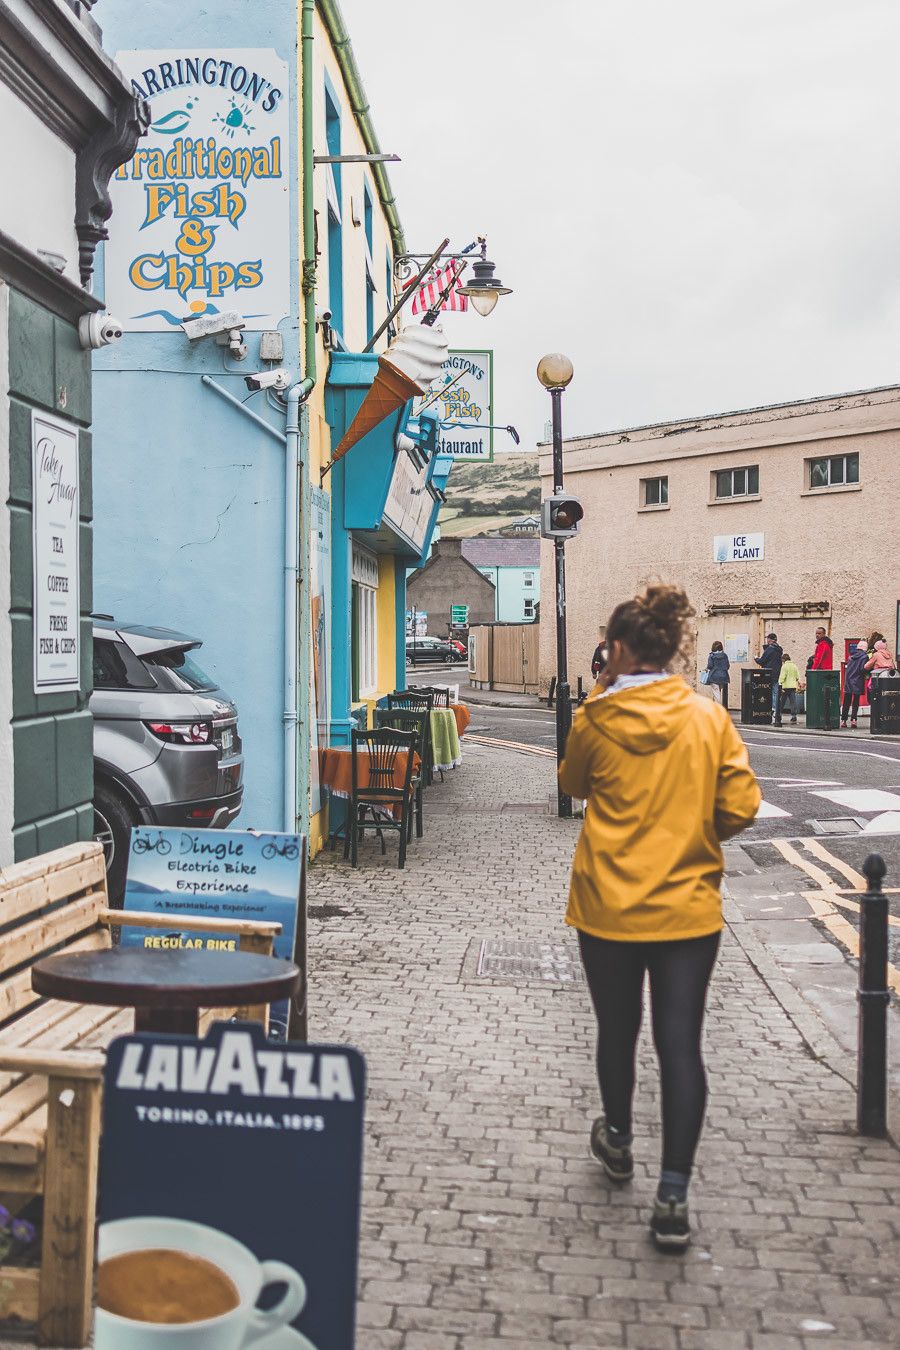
[(779, 518)]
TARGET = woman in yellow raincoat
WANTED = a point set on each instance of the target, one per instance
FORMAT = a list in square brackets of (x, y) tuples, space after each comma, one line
[(666, 778)]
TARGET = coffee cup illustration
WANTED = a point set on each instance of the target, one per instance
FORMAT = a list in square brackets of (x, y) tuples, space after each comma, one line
[(171, 1284)]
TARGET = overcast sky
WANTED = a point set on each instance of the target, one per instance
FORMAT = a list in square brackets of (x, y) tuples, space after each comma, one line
[(699, 201)]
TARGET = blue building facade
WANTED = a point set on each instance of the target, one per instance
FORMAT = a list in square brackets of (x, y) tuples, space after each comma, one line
[(191, 486)]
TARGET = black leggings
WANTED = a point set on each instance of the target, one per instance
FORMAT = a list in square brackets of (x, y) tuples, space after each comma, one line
[(845, 707), (679, 977)]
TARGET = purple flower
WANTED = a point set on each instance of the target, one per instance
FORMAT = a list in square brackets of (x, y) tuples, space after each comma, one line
[(22, 1230)]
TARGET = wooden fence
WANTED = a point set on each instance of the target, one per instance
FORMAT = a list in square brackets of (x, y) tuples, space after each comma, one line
[(504, 656)]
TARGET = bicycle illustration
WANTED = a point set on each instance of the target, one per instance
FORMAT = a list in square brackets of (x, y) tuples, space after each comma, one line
[(145, 843), (273, 850)]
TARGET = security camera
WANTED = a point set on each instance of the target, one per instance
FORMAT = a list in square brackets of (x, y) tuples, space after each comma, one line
[(323, 315), (98, 330), (279, 379)]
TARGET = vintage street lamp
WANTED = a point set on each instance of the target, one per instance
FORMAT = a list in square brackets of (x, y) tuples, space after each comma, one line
[(484, 290), (560, 518)]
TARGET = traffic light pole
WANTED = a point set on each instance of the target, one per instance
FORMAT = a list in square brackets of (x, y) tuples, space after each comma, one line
[(563, 700)]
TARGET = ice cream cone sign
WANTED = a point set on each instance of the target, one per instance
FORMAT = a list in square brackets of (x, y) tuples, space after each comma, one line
[(407, 369)]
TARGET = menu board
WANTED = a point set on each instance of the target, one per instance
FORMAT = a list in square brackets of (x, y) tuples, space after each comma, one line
[(55, 507)]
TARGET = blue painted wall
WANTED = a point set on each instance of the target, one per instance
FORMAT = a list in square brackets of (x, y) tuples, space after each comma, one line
[(512, 592), (188, 492)]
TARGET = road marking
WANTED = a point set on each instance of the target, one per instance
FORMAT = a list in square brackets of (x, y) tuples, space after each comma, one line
[(821, 750), (862, 799), (511, 745), (887, 823), (822, 902), (821, 852), (768, 812)]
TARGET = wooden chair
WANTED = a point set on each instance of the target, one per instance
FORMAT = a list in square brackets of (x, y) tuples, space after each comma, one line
[(439, 694), (373, 805), (416, 700), (401, 719), (51, 1070)]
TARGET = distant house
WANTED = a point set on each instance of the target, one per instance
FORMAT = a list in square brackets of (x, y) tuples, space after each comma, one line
[(514, 567), (524, 525), (448, 578)]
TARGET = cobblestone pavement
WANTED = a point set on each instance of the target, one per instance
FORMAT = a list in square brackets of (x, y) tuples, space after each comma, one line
[(484, 1221)]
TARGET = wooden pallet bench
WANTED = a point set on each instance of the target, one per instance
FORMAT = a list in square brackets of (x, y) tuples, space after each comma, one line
[(51, 1068)]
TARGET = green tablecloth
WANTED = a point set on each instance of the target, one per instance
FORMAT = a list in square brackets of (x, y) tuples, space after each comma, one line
[(445, 751)]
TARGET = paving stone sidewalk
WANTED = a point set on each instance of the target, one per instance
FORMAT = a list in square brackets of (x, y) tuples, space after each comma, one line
[(484, 1221)]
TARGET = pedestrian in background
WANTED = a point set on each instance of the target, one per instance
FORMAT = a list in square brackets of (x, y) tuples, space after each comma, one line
[(854, 684), (770, 660), (666, 777), (598, 660), (881, 662), (788, 684), (717, 676), (823, 656)]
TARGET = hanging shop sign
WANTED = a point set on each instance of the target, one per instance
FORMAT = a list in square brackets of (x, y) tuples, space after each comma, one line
[(217, 874), (54, 525), (409, 504), (739, 548), (201, 212), (465, 405), (230, 1174)]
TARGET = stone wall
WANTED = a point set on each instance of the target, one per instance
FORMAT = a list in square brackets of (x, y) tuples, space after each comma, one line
[(448, 579)]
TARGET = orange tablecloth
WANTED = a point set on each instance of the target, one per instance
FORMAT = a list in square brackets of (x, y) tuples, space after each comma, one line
[(336, 769), (462, 715)]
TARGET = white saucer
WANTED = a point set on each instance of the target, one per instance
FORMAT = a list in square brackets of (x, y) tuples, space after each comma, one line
[(285, 1338)]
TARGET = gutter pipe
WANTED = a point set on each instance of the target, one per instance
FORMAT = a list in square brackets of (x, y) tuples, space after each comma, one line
[(340, 39)]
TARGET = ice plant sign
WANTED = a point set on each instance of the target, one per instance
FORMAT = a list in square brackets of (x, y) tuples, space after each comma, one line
[(201, 212)]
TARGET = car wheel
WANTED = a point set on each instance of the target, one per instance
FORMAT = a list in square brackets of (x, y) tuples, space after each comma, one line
[(113, 819)]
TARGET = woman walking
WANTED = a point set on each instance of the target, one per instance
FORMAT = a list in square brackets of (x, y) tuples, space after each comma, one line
[(718, 679), (666, 778)]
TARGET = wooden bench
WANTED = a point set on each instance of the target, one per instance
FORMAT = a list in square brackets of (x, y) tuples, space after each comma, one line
[(51, 1068)]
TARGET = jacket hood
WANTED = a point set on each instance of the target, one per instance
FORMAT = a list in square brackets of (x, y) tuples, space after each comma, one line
[(645, 718), (826, 640)]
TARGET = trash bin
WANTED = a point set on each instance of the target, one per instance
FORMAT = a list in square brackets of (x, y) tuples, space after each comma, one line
[(823, 699), (756, 697), (884, 700)]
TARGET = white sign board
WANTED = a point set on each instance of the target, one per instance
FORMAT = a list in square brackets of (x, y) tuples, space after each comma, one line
[(737, 647), (739, 548), (57, 595), (465, 406), (201, 212), (409, 505)]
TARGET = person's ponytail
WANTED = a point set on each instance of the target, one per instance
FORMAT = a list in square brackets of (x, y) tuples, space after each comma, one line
[(653, 624)]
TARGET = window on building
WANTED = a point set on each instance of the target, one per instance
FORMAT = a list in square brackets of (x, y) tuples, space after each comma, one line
[(528, 579), (369, 263), (335, 216), (655, 491), (529, 607), (365, 640), (738, 482), (833, 471)]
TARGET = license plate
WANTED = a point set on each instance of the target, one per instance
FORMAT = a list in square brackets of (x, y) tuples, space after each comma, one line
[(227, 740)]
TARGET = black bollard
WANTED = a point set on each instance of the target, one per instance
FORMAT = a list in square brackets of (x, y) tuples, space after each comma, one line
[(873, 996), (552, 692)]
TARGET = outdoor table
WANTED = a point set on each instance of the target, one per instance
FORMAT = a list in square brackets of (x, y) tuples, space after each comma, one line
[(167, 989), (462, 715), (336, 768), (445, 751)]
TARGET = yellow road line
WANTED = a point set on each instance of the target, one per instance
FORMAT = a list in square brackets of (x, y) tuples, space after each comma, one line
[(822, 902), (511, 745), (821, 852)]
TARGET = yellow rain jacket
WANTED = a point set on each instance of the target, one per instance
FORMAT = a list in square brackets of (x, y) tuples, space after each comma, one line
[(666, 777)]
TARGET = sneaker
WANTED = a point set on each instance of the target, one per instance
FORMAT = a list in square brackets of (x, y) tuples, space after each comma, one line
[(793, 719), (853, 725), (615, 1159), (670, 1225), (843, 726)]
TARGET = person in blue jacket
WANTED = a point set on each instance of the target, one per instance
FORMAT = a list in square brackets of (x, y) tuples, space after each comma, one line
[(854, 684), (770, 658), (718, 666)]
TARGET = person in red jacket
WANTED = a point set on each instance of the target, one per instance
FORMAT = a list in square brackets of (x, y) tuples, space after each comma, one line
[(822, 657)]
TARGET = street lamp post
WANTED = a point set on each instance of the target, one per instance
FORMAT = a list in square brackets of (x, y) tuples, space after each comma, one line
[(555, 373)]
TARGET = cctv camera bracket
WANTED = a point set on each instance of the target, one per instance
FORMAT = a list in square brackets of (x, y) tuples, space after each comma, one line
[(212, 325)]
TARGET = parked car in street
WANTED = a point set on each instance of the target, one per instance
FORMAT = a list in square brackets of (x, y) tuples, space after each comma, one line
[(431, 650), (166, 743)]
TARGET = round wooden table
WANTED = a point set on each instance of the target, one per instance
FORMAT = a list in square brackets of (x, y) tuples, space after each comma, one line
[(167, 989)]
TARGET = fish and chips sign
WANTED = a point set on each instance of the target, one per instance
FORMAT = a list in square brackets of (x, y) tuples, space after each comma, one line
[(464, 404), (201, 212)]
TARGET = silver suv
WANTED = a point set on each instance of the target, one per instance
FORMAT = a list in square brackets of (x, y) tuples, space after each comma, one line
[(166, 744)]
